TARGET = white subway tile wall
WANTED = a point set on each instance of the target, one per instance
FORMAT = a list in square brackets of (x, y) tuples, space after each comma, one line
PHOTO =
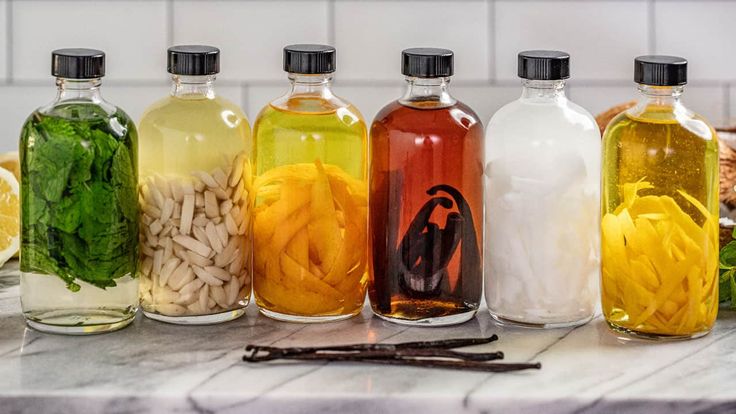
[(603, 37)]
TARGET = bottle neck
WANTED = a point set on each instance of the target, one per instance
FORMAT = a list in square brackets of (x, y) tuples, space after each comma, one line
[(427, 90), (78, 90), (193, 87), (319, 85), (661, 96), (543, 90)]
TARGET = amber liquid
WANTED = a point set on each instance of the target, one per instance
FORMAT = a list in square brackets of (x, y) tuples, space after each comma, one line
[(426, 210)]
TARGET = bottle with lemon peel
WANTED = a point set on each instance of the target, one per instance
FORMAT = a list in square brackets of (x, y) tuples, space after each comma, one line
[(660, 211)]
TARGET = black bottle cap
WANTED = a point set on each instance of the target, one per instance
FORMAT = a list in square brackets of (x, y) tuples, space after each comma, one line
[(427, 62), (543, 65), (78, 63), (193, 60), (660, 70), (309, 59)]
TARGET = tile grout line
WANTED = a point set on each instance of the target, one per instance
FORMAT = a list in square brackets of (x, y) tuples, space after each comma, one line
[(331, 22), (9, 41), (651, 27), (170, 22), (491, 40)]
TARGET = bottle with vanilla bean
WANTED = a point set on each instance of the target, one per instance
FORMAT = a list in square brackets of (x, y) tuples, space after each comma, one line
[(426, 206), (194, 197)]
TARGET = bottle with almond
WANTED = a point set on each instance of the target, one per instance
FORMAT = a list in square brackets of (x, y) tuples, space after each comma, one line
[(194, 194)]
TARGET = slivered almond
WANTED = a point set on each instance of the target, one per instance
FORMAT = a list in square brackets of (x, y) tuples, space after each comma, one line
[(187, 213), (199, 200), (237, 174), (219, 295), (194, 308), (203, 296), (201, 236), (170, 309), (220, 177), (181, 276), (158, 257), (186, 299), (193, 245), (211, 208), (225, 207), (177, 211), (222, 194), (238, 193), (200, 220), (146, 266), (232, 288), (218, 273), (206, 276), (236, 264), (198, 260), (222, 233), (230, 226), (167, 269), (162, 185), (198, 185), (151, 210), (236, 214), (213, 238), (176, 192), (168, 248), (207, 179), (192, 286), (146, 249), (156, 196), (167, 210), (155, 227)]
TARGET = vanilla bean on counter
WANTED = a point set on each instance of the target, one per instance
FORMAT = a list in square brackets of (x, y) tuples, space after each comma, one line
[(428, 354)]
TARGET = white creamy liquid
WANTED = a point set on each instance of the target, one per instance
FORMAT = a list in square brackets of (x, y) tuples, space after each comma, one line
[(542, 201)]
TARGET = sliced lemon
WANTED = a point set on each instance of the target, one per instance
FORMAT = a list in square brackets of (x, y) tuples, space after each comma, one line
[(9, 161), (9, 215)]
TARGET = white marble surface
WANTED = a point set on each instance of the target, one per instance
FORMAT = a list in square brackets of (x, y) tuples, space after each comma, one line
[(152, 367)]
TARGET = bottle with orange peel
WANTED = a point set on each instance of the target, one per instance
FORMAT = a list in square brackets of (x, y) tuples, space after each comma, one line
[(309, 187)]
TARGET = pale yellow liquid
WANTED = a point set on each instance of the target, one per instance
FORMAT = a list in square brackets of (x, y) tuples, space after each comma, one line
[(180, 135)]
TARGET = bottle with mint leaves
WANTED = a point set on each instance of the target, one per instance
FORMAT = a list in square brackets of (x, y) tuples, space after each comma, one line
[(79, 205)]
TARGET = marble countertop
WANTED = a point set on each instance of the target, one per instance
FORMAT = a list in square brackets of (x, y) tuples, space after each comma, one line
[(151, 367)]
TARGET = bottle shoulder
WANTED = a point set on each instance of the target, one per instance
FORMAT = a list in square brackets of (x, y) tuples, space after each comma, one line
[(310, 113), (533, 119), (396, 115), (654, 118)]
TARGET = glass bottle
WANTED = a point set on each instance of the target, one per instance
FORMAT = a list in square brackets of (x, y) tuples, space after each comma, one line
[(660, 211), (195, 197), (310, 217), (426, 200), (543, 157), (79, 210)]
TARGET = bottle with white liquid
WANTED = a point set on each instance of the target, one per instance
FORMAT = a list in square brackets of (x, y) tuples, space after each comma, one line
[(542, 200)]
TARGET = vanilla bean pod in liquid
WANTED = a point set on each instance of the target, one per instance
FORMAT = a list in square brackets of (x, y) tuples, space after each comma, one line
[(426, 200)]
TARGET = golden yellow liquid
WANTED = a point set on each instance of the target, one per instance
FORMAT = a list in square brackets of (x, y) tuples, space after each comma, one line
[(660, 224), (182, 138), (310, 215)]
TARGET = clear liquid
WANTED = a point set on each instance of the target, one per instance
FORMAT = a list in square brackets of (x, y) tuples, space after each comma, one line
[(48, 305), (542, 197)]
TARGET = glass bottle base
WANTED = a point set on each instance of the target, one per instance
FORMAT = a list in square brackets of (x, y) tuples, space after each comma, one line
[(503, 320), (431, 322), (283, 317), (629, 334), (211, 319), (80, 322)]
